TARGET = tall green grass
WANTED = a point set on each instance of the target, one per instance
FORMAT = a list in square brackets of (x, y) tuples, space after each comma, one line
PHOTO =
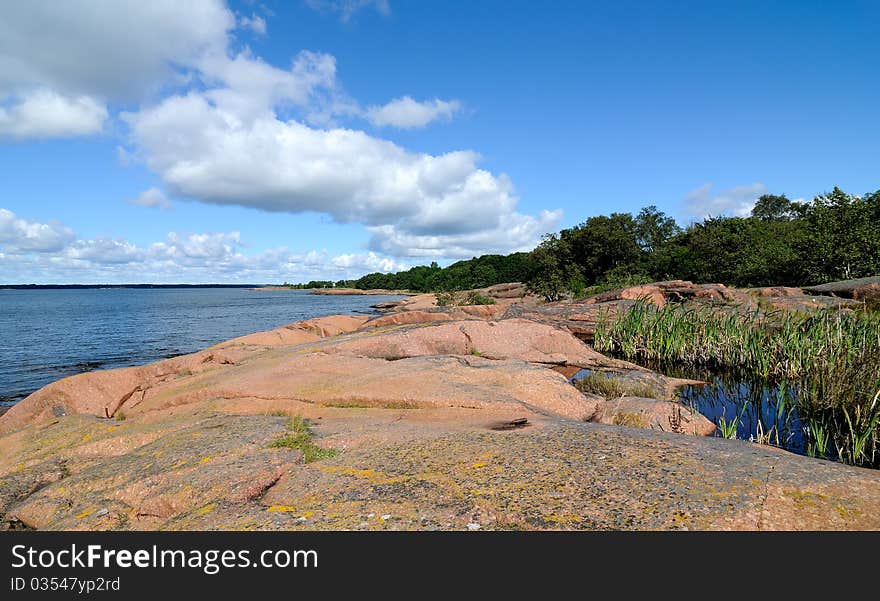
[(830, 358)]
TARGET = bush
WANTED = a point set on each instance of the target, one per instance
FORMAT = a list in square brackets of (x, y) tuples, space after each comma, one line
[(475, 298)]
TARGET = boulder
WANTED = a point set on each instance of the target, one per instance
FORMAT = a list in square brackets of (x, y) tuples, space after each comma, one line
[(332, 325), (847, 288), (406, 318), (867, 292), (772, 291), (299, 332), (510, 290), (103, 393), (649, 293), (575, 317), (478, 311), (507, 339), (283, 336), (639, 412)]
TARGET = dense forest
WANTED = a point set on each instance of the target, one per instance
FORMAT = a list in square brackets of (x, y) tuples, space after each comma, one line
[(783, 242)]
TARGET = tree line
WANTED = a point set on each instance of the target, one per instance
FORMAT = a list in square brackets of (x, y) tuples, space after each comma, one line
[(783, 242)]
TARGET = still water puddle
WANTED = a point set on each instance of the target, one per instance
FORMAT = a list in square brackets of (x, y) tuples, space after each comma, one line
[(743, 408)]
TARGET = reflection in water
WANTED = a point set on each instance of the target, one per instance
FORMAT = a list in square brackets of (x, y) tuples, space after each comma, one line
[(759, 411), (745, 407), (755, 408)]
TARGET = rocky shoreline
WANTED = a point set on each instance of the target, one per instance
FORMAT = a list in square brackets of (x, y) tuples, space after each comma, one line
[(426, 417)]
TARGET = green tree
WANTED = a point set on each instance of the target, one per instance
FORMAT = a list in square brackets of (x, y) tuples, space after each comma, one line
[(771, 207)]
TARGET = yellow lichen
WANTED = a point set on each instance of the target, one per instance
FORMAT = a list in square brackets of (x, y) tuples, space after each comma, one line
[(847, 512), (206, 509), (85, 514), (282, 508), (372, 476)]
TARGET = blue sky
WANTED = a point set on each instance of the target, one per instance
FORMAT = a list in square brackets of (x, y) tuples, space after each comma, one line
[(271, 141)]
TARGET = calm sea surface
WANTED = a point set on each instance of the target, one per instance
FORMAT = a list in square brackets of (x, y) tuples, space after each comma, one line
[(49, 334)]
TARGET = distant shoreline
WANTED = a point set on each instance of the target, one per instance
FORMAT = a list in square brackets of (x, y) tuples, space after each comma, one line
[(341, 291), (97, 286)]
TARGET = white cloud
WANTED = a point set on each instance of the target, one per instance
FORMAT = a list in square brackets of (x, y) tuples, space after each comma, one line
[(103, 251), (735, 202), (348, 8), (255, 23), (514, 232), (218, 246), (22, 235), (105, 49), (369, 262), (245, 87), (47, 114), (33, 252), (406, 113), (417, 204), (152, 198)]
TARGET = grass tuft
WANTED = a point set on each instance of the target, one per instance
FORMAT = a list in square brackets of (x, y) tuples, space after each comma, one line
[(612, 387), (300, 438)]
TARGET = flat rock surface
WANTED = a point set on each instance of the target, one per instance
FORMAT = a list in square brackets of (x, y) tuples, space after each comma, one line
[(215, 471)]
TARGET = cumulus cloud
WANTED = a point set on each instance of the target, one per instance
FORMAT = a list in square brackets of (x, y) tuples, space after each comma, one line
[(47, 114), (152, 198), (245, 87), (736, 202), (22, 235), (103, 251), (108, 50), (406, 113), (514, 232), (33, 252), (346, 9), (416, 204), (369, 262), (197, 246)]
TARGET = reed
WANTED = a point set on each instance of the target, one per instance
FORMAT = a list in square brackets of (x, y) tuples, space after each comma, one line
[(830, 359), (728, 428)]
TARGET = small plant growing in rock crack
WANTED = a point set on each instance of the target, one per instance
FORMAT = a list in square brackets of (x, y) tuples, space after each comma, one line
[(120, 416), (728, 428), (300, 438), (675, 421)]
